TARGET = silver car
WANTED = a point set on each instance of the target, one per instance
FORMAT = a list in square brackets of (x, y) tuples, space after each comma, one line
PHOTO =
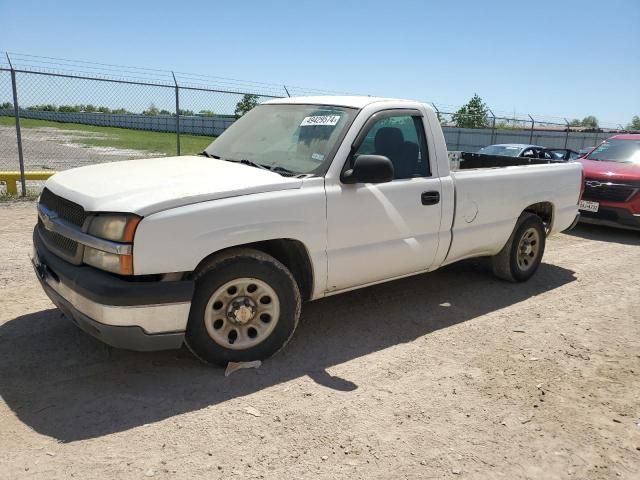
[(512, 150)]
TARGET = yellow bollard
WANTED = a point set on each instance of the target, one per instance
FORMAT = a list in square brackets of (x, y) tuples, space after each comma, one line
[(12, 178)]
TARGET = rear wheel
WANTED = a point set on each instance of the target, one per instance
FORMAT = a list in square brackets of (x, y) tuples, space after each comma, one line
[(521, 256), (246, 307)]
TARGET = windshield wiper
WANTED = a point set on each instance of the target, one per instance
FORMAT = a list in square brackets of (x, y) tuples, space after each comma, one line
[(251, 163), (208, 155), (286, 171)]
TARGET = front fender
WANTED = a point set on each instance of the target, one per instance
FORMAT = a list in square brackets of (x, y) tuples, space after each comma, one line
[(177, 240)]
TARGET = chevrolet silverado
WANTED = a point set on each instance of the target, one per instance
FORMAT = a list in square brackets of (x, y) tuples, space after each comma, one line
[(299, 199)]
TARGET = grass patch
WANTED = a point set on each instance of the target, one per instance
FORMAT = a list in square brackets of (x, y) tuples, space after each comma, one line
[(162, 142), (29, 197)]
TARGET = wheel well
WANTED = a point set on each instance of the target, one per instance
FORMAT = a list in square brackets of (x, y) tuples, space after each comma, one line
[(545, 211), (291, 253)]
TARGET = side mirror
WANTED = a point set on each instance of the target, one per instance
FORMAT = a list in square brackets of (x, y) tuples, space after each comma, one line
[(369, 169)]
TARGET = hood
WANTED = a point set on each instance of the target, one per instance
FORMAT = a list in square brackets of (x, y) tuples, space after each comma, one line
[(147, 186), (611, 171)]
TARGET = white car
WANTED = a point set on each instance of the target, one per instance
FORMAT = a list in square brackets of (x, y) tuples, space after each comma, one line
[(299, 199), (513, 150)]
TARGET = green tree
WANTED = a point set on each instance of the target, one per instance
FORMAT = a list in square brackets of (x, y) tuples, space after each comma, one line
[(165, 112), (68, 108), (248, 101), (6, 106), (473, 114), (43, 108), (207, 113), (186, 112), (90, 109), (635, 123), (120, 111), (587, 122), (152, 110), (104, 109)]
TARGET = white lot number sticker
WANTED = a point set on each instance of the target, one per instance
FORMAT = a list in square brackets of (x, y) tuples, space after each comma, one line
[(325, 120)]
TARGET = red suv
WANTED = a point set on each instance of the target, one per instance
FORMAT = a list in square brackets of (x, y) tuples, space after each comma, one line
[(612, 183)]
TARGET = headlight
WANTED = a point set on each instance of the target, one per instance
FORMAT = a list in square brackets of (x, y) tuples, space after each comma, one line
[(111, 262), (117, 227)]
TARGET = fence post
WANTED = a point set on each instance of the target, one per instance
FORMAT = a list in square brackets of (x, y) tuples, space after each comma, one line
[(16, 112), (493, 127), (437, 113), (177, 114), (533, 122), (566, 137)]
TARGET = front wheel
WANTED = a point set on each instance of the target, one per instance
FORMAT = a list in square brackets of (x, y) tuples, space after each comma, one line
[(521, 256), (246, 306)]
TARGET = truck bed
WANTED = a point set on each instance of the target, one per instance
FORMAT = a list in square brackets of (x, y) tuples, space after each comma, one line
[(467, 161), (489, 200)]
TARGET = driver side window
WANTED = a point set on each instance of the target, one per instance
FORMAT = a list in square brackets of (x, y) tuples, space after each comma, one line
[(401, 139)]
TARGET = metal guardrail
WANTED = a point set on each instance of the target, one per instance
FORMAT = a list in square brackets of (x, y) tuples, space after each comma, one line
[(12, 178)]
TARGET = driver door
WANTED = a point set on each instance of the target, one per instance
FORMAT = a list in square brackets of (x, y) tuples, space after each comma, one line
[(385, 230)]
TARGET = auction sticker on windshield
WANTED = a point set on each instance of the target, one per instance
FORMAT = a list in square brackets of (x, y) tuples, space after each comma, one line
[(330, 120), (588, 206)]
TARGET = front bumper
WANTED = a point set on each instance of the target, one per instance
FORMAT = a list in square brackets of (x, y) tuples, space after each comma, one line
[(612, 217), (133, 315)]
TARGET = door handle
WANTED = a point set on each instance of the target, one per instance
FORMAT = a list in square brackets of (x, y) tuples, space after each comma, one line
[(430, 198)]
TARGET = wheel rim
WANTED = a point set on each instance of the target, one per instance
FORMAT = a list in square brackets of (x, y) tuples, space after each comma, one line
[(242, 313), (528, 248)]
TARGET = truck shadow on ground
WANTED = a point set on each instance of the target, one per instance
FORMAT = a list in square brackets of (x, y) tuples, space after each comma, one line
[(64, 384), (601, 233)]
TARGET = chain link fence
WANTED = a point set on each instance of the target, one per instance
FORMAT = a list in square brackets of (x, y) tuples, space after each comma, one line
[(8, 143), (491, 129), (60, 114)]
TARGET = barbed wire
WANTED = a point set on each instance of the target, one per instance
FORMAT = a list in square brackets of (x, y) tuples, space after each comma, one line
[(164, 77)]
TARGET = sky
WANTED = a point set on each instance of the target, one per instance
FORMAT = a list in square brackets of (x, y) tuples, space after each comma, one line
[(569, 58)]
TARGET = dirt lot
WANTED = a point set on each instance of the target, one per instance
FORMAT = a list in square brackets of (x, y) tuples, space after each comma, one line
[(56, 149), (446, 375)]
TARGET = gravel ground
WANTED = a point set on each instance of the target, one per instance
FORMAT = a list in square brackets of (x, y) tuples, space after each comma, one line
[(49, 148), (56, 149), (448, 375)]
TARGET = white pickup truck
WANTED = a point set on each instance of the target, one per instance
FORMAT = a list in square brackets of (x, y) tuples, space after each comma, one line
[(299, 199)]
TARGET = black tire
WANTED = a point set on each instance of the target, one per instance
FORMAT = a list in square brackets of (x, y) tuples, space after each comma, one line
[(506, 265), (235, 264)]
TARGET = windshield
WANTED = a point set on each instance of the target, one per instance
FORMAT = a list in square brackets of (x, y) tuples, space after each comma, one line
[(626, 151), (298, 138), (506, 150)]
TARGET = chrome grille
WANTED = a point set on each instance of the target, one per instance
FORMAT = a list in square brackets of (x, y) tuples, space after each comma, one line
[(57, 242), (608, 191), (68, 210), (72, 213)]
